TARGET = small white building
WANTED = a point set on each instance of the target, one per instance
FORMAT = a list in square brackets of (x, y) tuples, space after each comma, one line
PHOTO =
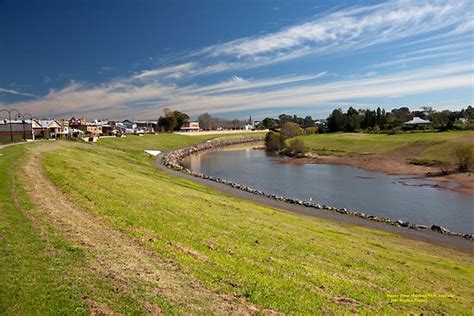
[(192, 126), (417, 121)]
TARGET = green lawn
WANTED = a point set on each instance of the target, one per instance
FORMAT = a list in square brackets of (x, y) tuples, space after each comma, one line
[(41, 271), (34, 261), (278, 260), (425, 146)]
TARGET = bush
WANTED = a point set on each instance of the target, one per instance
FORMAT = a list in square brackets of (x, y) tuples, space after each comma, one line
[(465, 156), (310, 130), (290, 130), (273, 141), (296, 146)]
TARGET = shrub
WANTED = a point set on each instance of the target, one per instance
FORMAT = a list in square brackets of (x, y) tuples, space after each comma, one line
[(465, 156), (290, 130), (296, 146), (310, 130), (273, 141)]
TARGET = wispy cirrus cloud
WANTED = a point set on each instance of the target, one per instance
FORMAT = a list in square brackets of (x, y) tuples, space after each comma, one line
[(10, 91), (354, 28), (345, 30)]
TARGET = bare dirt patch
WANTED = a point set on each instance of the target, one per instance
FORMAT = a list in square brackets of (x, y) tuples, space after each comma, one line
[(119, 259)]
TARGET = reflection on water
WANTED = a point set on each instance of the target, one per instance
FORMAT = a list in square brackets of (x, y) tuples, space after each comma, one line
[(395, 197)]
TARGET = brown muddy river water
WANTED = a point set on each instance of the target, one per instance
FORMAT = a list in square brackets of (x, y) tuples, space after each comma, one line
[(396, 197)]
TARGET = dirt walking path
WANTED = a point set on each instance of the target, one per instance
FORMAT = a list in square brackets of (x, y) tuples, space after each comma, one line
[(119, 259)]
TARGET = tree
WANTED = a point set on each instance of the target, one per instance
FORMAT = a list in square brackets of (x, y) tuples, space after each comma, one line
[(285, 118), (352, 120), (171, 121), (273, 141), (308, 122), (269, 123), (336, 121), (181, 119), (205, 121), (439, 119), (290, 129)]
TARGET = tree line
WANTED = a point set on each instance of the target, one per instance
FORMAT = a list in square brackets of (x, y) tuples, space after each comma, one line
[(368, 120)]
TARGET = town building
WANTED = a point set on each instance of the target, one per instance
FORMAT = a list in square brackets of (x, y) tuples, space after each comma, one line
[(16, 130), (191, 126), (146, 125), (46, 129)]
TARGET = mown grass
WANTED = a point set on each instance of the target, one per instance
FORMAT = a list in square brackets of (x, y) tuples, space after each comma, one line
[(34, 264), (41, 271), (422, 146), (278, 260)]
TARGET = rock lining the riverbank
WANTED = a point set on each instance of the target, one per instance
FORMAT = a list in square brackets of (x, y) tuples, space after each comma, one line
[(173, 160)]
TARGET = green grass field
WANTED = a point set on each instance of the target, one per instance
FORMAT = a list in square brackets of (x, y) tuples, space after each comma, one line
[(422, 146), (286, 262)]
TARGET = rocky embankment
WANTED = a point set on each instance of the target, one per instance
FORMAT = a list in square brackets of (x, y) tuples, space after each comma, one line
[(173, 160)]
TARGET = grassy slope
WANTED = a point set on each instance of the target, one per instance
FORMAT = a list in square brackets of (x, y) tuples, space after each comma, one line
[(429, 146), (41, 272), (274, 259), (33, 263)]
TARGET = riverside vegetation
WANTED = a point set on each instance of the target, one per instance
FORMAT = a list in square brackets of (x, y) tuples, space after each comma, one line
[(259, 257), (445, 150)]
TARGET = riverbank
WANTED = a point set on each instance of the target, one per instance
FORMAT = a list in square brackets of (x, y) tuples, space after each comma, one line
[(458, 182), (392, 154), (173, 160)]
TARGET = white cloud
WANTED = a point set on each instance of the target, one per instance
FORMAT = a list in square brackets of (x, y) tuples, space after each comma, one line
[(354, 29), (10, 91), (125, 99)]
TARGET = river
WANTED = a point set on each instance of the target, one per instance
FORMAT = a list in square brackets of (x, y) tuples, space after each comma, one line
[(395, 197)]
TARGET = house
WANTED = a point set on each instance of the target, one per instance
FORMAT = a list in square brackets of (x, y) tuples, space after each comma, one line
[(108, 128), (64, 127), (417, 121), (129, 124), (123, 129), (192, 126), (147, 126), (15, 130), (46, 129), (93, 128), (74, 123)]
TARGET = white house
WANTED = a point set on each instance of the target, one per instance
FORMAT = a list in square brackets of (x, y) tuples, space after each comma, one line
[(417, 121)]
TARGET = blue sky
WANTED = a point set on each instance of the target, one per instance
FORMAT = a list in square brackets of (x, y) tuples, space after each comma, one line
[(130, 59)]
